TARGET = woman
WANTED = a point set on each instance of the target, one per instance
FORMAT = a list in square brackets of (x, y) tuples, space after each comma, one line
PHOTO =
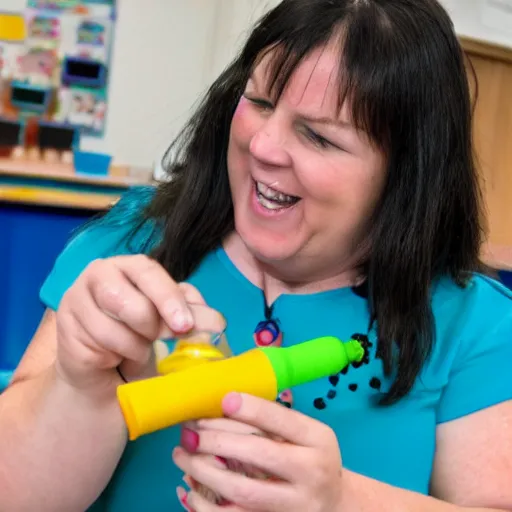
[(325, 186)]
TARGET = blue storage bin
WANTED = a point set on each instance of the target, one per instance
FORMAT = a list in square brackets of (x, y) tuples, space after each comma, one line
[(91, 163)]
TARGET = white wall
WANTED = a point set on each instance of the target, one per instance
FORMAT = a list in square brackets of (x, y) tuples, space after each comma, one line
[(487, 20), (11, 5), (161, 62), (235, 19), (167, 53)]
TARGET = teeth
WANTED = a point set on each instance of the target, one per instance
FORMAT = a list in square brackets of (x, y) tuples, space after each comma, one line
[(270, 205), (274, 195)]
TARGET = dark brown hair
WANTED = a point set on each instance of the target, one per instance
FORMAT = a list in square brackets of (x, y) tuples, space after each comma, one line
[(403, 71)]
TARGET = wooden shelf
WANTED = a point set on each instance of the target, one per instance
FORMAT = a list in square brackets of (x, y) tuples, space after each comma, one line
[(57, 185), (56, 198), (486, 49), (65, 172)]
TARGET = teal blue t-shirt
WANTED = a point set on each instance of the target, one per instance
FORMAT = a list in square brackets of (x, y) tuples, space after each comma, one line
[(469, 370)]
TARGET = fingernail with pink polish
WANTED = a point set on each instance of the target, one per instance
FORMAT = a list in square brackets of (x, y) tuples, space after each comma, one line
[(222, 461), (183, 497), (232, 403), (224, 503), (189, 440)]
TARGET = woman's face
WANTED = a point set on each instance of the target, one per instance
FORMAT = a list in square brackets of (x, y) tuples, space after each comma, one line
[(304, 181)]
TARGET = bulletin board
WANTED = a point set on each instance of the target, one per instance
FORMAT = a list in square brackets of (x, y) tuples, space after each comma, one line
[(55, 58)]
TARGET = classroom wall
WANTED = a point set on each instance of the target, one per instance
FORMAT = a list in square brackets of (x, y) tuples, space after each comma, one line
[(487, 20), (235, 18), (162, 58), (172, 50), (175, 69), (167, 52)]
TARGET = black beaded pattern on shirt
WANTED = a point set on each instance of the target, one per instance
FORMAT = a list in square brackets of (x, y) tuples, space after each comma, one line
[(334, 380)]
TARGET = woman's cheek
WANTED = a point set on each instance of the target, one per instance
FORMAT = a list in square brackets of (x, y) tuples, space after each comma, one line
[(245, 123), (241, 108)]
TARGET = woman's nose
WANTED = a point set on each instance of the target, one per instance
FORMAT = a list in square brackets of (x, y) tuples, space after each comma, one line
[(268, 145)]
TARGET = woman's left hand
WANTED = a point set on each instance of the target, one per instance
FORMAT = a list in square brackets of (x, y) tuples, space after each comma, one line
[(304, 464)]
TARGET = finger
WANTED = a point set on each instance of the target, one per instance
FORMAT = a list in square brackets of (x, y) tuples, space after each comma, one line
[(192, 294), (206, 320), (198, 503), (226, 425), (120, 299), (181, 306), (280, 421), (265, 455), (132, 370), (140, 292), (156, 284), (105, 334), (205, 491), (264, 496), (76, 350), (161, 349), (183, 498)]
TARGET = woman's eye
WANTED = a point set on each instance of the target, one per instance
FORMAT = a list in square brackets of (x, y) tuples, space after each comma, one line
[(260, 103), (318, 140)]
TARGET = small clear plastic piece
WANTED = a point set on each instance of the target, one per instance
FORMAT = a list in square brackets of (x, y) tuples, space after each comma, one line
[(191, 349)]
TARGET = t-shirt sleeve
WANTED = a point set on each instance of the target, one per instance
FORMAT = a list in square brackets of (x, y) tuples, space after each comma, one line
[(121, 231), (481, 375)]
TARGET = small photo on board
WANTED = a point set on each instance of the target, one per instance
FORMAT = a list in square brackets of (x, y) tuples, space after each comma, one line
[(43, 27), (53, 5), (9, 55), (58, 51), (38, 65), (93, 40), (84, 108)]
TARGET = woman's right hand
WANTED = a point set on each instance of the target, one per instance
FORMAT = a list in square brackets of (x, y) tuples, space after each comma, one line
[(114, 312)]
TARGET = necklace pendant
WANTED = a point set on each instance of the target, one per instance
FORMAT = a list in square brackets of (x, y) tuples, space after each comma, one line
[(286, 398), (268, 334)]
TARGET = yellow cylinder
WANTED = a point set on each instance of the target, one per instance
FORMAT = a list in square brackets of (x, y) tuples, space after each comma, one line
[(195, 393)]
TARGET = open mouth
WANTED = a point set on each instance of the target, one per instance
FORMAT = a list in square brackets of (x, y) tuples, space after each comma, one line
[(273, 199)]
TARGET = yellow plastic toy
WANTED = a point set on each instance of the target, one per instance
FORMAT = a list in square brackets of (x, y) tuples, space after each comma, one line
[(197, 391), (195, 349)]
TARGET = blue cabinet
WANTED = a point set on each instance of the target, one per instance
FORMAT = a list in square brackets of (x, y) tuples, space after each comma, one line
[(506, 278), (31, 238)]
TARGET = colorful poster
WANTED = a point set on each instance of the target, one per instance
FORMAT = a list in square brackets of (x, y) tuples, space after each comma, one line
[(84, 108), (93, 39), (53, 5), (9, 57), (61, 43), (44, 27), (92, 33), (38, 65)]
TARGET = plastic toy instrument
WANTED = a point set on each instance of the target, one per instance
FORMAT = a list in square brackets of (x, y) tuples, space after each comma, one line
[(197, 391)]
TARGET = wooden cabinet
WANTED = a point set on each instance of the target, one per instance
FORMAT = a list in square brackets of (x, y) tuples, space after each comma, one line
[(493, 143)]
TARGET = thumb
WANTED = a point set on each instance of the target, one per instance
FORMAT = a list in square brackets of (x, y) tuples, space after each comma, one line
[(137, 370)]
